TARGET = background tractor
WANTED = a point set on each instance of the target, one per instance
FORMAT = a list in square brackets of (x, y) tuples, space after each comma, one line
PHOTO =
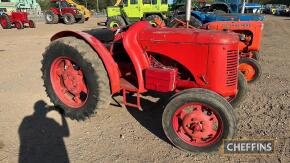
[(86, 12), (62, 10), (250, 43), (127, 12), (16, 19)]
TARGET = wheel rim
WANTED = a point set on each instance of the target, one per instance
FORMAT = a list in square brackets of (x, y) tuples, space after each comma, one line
[(17, 24), (248, 71), (197, 124), (3, 22), (68, 82), (49, 18), (114, 24), (66, 19)]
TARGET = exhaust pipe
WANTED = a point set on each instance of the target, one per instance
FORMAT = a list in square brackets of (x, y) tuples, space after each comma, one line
[(188, 12)]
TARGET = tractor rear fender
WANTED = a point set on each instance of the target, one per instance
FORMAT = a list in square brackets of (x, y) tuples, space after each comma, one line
[(101, 50)]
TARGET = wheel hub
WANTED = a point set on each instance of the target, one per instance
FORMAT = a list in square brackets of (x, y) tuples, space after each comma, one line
[(248, 71), (68, 82), (197, 125), (3, 22), (72, 81), (49, 17)]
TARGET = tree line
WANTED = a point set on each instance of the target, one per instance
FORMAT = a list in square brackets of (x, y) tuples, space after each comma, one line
[(102, 4)]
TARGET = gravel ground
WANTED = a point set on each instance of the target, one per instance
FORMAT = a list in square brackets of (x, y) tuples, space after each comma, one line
[(127, 135)]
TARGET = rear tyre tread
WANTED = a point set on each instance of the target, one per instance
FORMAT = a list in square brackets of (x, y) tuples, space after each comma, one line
[(96, 73)]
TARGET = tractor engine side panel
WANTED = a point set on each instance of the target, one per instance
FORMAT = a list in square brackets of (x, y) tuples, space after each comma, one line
[(222, 70), (191, 56)]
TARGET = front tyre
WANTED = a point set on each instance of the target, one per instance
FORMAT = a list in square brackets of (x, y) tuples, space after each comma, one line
[(250, 68), (19, 24), (197, 120), (75, 78)]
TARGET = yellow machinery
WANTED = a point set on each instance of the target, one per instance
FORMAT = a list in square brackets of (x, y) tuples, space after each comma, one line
[(87, 13)]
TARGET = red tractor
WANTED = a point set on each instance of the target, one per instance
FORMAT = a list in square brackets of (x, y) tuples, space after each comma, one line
[(250, 32), (62, 10), (82, 70), (250, 45), (16, 19)]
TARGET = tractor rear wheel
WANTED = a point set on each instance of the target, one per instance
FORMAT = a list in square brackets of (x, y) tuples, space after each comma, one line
[(69, 19), (5, 21), (75, 78), (31, 24), (242, 91), (81, 20), (51, 18), (19, 25), (115, 22), (250, 68), (153, 18), (197, 120)]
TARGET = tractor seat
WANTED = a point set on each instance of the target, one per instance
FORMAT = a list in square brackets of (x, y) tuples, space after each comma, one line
[(104, 35)]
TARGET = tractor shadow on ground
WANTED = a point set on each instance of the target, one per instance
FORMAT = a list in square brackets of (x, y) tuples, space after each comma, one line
[(151, 116), (41, 138)]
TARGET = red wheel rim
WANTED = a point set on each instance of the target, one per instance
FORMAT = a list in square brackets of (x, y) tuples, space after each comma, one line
[(68, 82), (3, 22), (197, 124), (17, 25), (248, 71)]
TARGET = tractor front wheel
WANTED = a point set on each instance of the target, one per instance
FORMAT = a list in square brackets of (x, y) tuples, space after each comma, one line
[(75, 78), (115, 22), (5, 21), (69, 19), (250, 68), (19, 25), (197, 120), (31, 24), (51, 18)]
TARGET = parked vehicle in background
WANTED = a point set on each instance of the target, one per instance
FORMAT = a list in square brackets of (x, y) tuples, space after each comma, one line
[(61, 10), (131, 11), (86, 12), (282, 10), (15, 19), (234, 6)]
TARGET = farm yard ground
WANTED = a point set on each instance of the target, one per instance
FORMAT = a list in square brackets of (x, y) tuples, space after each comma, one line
[(118, 134)]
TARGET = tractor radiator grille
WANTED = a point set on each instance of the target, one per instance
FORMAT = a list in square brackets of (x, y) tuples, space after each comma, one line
[(232, 67)]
